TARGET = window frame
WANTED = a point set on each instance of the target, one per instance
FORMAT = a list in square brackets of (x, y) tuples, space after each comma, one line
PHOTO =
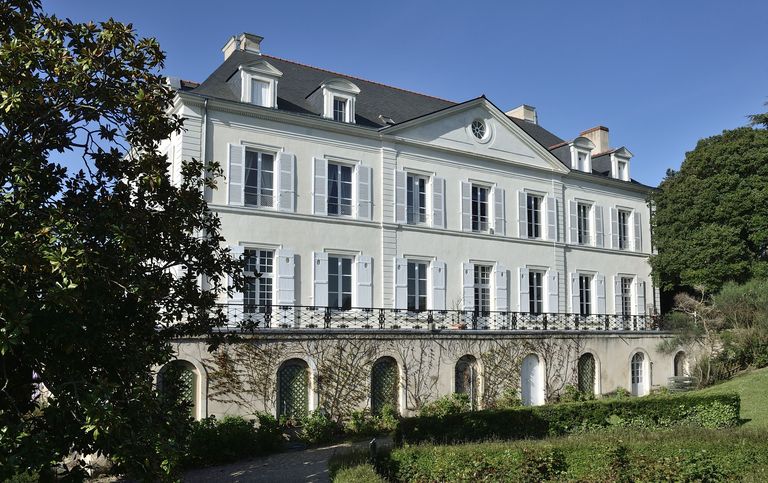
[(352, 180), (626, 294), (340, 275), (259, 170), (344, 117), (586, 294), (480, 223), (584, 224), (536, 304), (267, 278), (481, 292), (417, 294), (534, 224), (624, 229), (413, 203)]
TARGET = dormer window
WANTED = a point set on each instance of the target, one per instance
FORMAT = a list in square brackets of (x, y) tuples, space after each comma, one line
[(583, 162), (335, 99), (622, 170), (581, 154), (258, 81), (620, 164)]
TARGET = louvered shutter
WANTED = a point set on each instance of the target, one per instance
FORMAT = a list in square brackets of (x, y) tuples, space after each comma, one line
[(522, 214), (553, 299), (523, 284), (401, 283), (468, 286), (364, 281), (551, 218), (500, 288), (599, 232), (438, 285), (574, 293), (286, 163), (438, 202), (638, 232), (286, 267), (401, 178), (617, 294), (364, 192), (320, 193), (573, 218), (639, 298), (235, 174), (236, 297), (466, 206), (499, 211), (320, 277), (600, 292), (614, 228)]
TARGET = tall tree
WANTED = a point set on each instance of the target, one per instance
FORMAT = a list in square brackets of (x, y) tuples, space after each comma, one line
[(100, 266), (710, 219)]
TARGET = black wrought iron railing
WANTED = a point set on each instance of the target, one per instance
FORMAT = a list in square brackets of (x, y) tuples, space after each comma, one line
[(251, 318)]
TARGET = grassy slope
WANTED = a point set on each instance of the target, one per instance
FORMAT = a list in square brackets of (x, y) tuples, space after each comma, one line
[(753, 389)]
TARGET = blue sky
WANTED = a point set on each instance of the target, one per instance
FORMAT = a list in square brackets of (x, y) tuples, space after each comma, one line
[(660, 75)]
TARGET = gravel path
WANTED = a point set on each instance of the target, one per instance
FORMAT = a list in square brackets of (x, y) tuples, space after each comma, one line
[(299, 466)]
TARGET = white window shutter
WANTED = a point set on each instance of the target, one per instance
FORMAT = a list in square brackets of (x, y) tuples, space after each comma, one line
[(551, 218), (401, 178), (364, 291), (599, 237), (438, 202), (617, 294), (364, 192), (286, 269), (438, 284), (614, 228), (320, 192), (553, 300), (600, 293), (466, 206), (574, 293), (500, 279), (235, 174), (468, 286), (522, 214), (236, 297), (639, 298), (524, 296), (320, 276), (499, 211), (638, 232), (401, 283), (286, 165), (573, 218)]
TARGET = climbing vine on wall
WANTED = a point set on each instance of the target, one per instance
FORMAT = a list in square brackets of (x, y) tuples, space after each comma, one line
[(501, 361)]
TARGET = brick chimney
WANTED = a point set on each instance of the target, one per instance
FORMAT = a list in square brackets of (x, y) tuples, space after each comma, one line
[(245, 41), (599, 136), (524, 112)]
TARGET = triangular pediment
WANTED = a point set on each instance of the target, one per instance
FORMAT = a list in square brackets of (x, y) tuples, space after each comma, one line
[(492, 135)]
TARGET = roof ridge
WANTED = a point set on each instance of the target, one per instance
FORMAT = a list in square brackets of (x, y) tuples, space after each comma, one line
[(359, 78)]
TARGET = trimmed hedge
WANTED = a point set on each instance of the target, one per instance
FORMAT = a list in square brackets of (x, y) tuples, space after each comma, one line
[(703, 410)]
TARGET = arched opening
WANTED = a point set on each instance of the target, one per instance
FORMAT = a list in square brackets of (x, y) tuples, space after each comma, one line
[(587, 374), (639, 374), (385, 384), (293, 389), (680, 363), (531, 381), (467, 379), (179, 380)]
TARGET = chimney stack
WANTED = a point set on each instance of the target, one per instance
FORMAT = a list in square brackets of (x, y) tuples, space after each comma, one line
[(245, 41), (524, 112), (599, 136)]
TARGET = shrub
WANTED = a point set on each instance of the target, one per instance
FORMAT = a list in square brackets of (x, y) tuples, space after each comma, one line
[(708, 410), (542, 465), (388, 419), (451, 404), (572, 394), (318, 428), (213, 441), (353, 467)]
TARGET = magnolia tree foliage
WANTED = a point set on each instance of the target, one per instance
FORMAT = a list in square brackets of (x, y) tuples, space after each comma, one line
[(100, 265), (710, 219)]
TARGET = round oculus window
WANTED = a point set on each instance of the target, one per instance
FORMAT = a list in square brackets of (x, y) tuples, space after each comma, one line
[(478, 129)]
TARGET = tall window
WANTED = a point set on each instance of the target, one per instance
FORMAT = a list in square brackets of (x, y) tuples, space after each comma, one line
[(339, 189), (482, 288), (260, 93), (339, 109), (624, 229), (259, 178), (626, 295), (583, 223), (417, 286), (257, 296), (622, 168), (417, 199), (585, 294), (637, 368), (534, 216), (583, 162), (479, 208), (339, 282), (536, 291)]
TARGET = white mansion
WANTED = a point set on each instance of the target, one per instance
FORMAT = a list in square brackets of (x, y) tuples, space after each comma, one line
[(367, 206)]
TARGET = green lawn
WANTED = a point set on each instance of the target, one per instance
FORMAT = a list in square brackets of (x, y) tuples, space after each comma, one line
[(753, 389)]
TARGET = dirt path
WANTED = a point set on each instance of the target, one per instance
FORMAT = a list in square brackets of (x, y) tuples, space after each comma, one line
[(299, 466)]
